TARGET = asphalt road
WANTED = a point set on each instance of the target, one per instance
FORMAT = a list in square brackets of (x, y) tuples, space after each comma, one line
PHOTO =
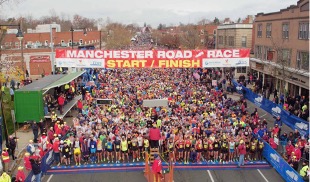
[(253, 175)]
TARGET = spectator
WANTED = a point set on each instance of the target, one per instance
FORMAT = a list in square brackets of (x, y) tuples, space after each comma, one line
[(12, 146), (30, 147), (20, 175), (36, 168), (27, 162), (304, 171), (35, 130), (5, 177), (283, 143), (5, 159), (61, 102)]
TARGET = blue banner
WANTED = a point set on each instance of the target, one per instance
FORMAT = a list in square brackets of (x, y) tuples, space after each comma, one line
[(274, 109), (280, 165)]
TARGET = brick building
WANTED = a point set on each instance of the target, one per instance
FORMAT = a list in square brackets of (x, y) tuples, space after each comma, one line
[(37, 51), (282, 48), (237, 35)]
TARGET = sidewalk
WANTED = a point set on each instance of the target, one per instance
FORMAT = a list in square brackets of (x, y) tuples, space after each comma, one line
[(23, 140)]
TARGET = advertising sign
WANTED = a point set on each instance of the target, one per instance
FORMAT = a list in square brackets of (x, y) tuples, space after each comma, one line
[(227, 58), (151, 58), (280, 165), (40, 59)]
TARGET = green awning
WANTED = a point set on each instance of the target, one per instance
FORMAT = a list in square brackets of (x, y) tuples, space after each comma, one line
[(64, 80)]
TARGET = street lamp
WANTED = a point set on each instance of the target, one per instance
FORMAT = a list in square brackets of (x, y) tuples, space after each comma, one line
[(20, 37), (72, 30)]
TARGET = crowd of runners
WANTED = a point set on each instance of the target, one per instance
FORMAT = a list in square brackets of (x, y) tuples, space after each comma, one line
[(199, 124)]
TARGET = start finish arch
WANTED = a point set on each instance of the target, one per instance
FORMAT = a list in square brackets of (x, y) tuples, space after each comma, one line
[(152, 58)]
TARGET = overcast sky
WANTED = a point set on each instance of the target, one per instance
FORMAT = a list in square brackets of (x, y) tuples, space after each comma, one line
[(153, 12)]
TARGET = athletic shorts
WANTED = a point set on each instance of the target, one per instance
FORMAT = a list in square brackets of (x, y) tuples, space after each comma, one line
[(181, 150), (231, 150), (99, 151), (199, 150), (134, 148), (187, 149), (92, 151), (77, 151), (224, 151), (124, 151), (110, 150)]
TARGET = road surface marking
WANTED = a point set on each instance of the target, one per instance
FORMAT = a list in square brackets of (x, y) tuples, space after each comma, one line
[(48, 180), (210, 176), (263, 115), (262, 175)]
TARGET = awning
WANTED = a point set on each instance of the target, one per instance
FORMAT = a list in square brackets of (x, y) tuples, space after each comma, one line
[(64, 80)]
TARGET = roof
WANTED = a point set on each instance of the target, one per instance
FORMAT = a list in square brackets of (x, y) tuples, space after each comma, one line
[(64, 80), (41, 83)]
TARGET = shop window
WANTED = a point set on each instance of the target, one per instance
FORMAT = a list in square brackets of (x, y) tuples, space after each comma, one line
[(241, 69), (302, 60)]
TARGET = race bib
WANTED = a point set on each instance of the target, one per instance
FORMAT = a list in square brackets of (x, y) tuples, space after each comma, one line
[(187, 145), (216, 145), (134, 144), (92, 146), (181, 146), (253, 147), (67, 150), (200, 146), (205, 146), (117, 146), (260, 146)]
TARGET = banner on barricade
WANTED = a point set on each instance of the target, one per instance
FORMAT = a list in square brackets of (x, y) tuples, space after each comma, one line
[(274, 109), (280, 165), (152, 58)]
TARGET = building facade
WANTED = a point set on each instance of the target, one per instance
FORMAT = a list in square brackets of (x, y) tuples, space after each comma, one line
[(38, 54), (231, 36), (281, 49)]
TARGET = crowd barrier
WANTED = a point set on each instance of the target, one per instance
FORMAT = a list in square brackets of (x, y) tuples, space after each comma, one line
[(46, 163), (274, 109), (280, 165)]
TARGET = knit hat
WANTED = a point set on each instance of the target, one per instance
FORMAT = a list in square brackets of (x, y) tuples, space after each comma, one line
[(20, 168)]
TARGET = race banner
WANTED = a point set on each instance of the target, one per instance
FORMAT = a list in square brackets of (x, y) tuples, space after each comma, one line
[(150, 58)]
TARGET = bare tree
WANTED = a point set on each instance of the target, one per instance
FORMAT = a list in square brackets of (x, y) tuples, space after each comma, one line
[(190, 38), (117, 36)]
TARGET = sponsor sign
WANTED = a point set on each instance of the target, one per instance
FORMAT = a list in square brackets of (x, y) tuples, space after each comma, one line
[(227, 58), (258, 100), (40, 59), (276, 111), (151, 58), (280, 165)]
